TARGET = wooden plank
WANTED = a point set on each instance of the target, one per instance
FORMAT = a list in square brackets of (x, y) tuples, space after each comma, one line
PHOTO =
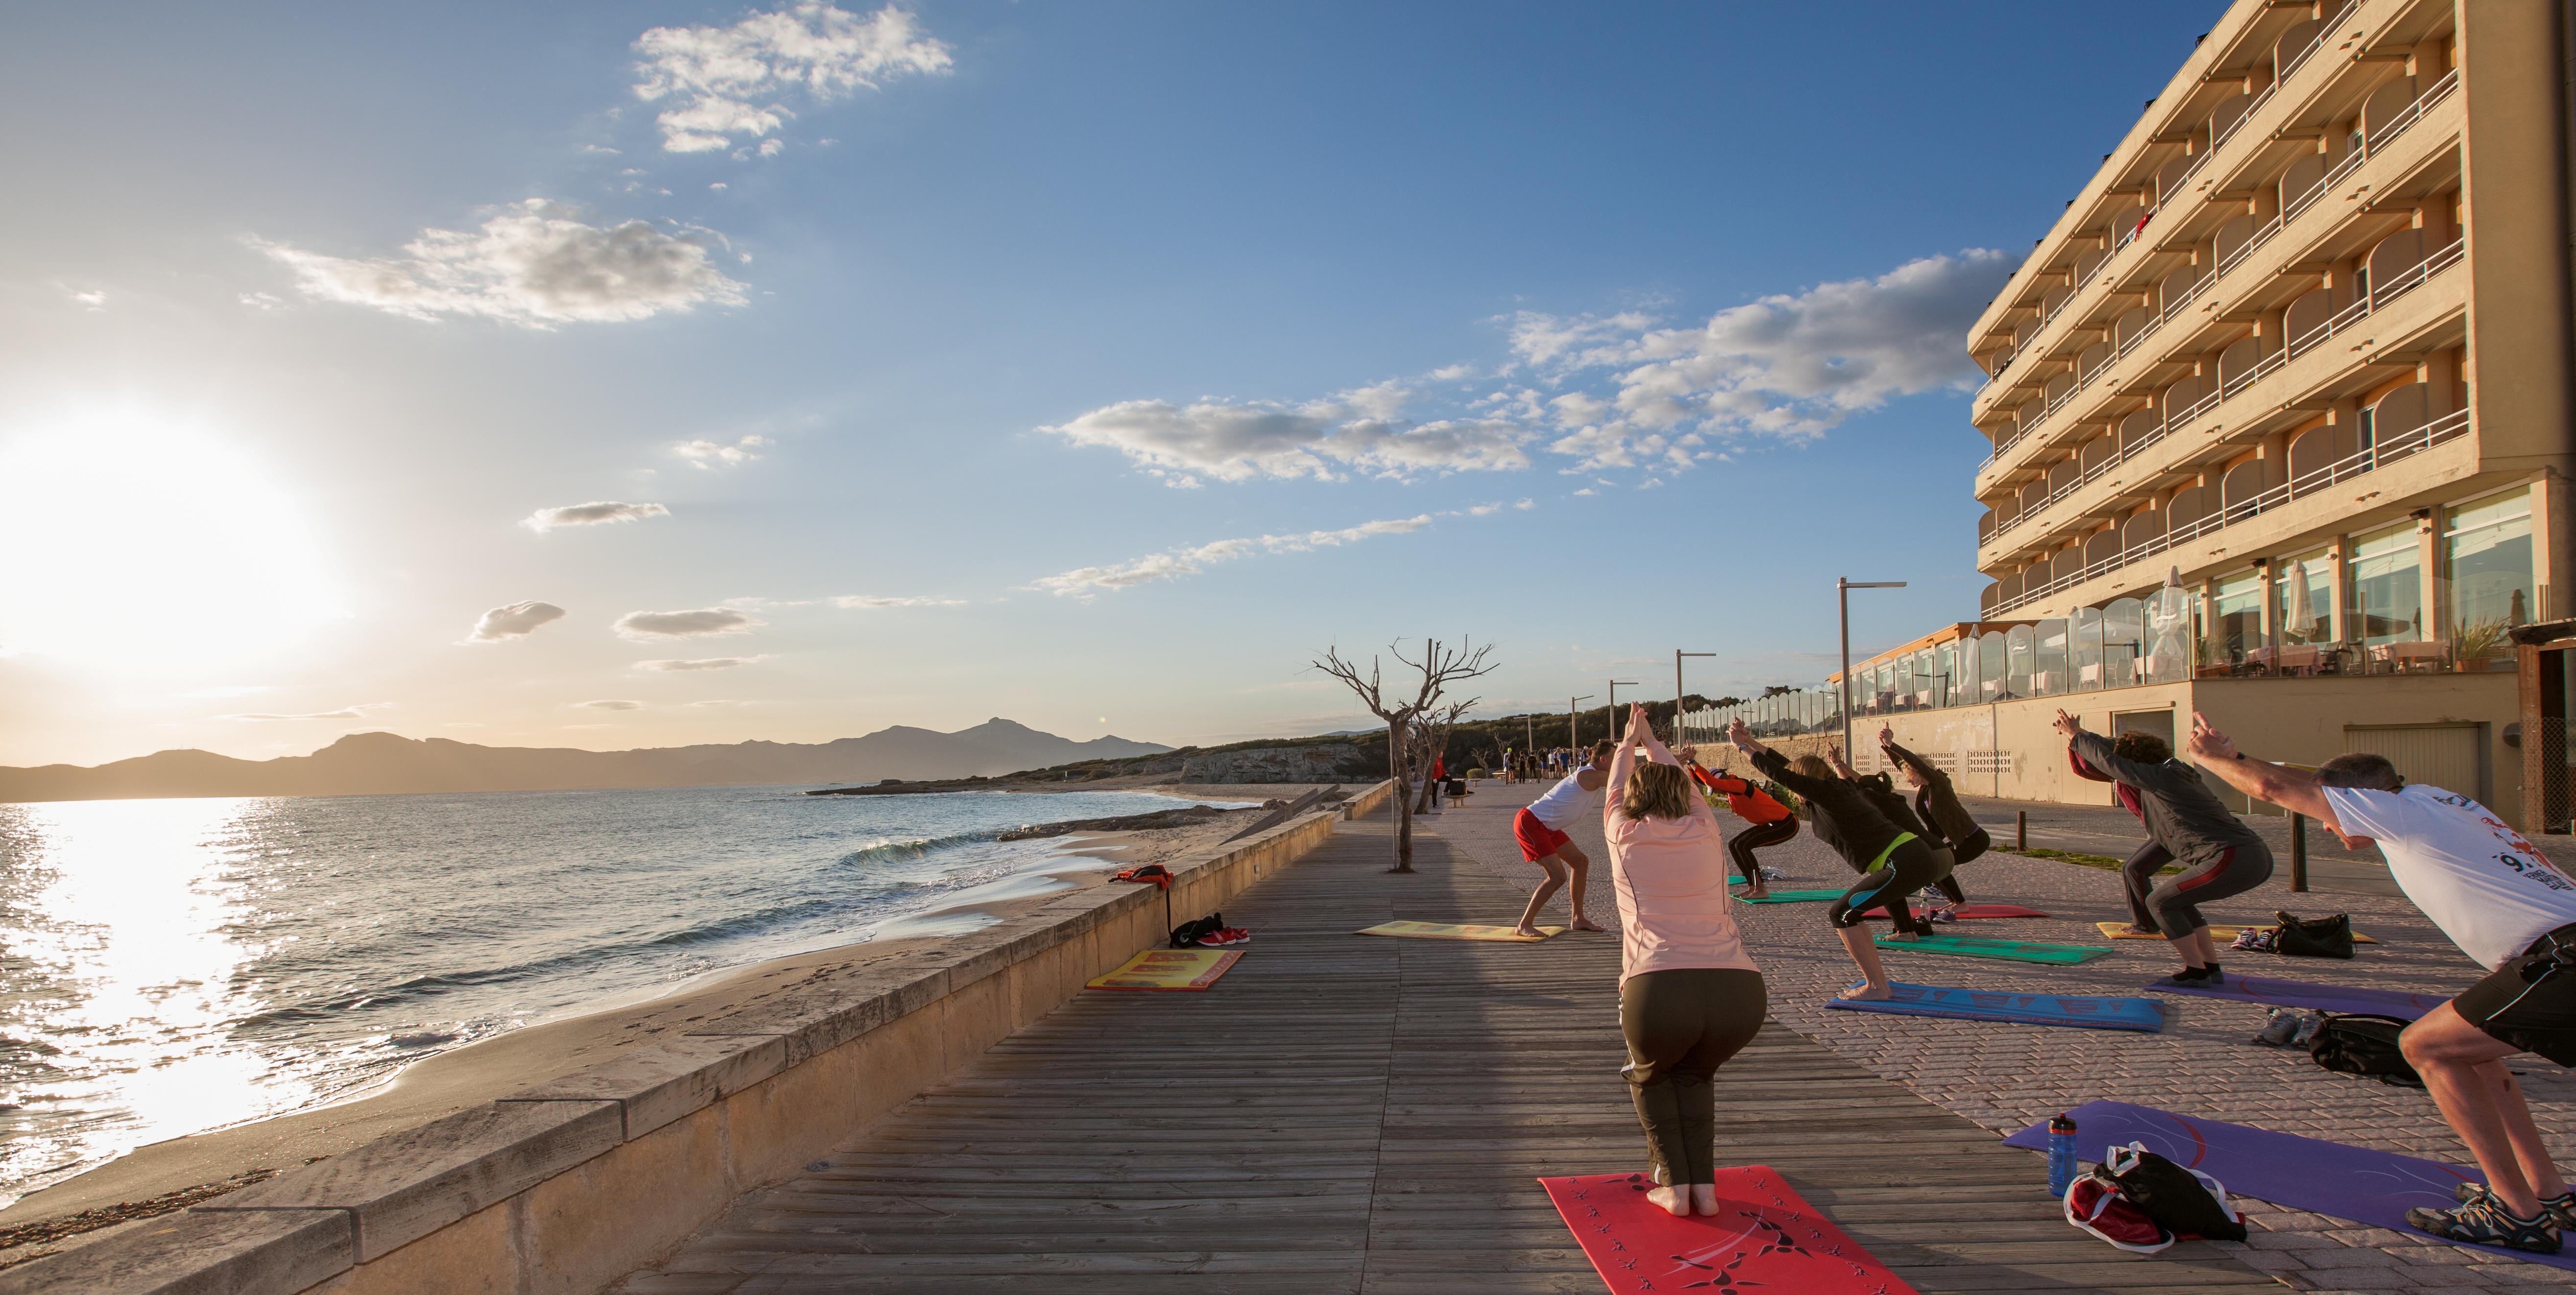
[(1345, 1114)]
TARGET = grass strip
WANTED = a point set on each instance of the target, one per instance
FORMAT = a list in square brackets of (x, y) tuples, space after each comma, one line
[(2102, 861)]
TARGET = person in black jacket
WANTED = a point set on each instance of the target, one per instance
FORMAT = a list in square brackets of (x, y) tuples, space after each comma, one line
[(2221, 857), (1884, 797), (1894, 863), (1938, 803)]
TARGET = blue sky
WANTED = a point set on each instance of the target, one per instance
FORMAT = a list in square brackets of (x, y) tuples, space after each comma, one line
[(1094, 365)]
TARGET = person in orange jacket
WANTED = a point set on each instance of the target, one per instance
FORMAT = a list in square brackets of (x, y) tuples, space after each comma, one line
[(1766, 821)]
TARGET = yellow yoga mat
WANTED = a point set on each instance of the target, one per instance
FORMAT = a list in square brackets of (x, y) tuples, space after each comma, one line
[(2121, 931), (1455, 931), (1171, 969)]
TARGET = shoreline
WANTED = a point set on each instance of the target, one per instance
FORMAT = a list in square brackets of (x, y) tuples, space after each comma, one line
[(207, 1163)]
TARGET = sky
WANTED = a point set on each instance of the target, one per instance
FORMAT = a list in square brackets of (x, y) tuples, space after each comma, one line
[(637, 375)]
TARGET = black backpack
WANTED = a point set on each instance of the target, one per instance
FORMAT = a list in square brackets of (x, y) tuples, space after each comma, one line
[(2357, 1044), (2315, 937), (1186, 935)]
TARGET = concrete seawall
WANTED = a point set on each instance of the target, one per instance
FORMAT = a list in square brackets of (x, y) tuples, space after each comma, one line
[(567, 1186)]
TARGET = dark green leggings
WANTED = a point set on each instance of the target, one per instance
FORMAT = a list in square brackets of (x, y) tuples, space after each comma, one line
[(1681, 1026)]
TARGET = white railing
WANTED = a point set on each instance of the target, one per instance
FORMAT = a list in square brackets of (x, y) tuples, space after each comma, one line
[(2413, 112), (2325, 30), (2221, 138), (2380, 295), (2237, 255), (2449, 427)]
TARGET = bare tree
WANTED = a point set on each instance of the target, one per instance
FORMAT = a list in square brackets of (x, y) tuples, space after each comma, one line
[(1431, 740), (1441, 665)]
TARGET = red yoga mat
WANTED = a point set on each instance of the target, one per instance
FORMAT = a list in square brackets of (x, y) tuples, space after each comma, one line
[(1762, 1240), (1969, 912)]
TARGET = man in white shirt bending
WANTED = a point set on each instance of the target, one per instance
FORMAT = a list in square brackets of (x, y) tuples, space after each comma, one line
[(2505, 905), (1540, 830)]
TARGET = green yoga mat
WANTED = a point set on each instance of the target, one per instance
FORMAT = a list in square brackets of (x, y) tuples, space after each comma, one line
[(2007, 950), (1793, 897)]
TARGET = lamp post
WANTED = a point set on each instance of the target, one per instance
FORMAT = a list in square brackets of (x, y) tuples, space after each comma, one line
[(1614, 703), (1842, 594), (1680, 738), (1573, 723)]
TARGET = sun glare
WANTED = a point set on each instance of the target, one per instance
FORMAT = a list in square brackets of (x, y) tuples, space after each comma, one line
[(149, 546)]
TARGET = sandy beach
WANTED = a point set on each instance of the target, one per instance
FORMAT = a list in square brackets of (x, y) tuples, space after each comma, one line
[(169, 1174)]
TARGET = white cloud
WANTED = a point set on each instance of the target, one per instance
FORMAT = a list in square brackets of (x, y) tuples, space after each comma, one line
[(609, 705), (684, 624), (93, 299), (346, 712), (535, 263), (1085, 582), (1355, 431), (867, 602), (705, 454), (263, 301), (596, 513), (701, 663), (727, 81), (514, 621)]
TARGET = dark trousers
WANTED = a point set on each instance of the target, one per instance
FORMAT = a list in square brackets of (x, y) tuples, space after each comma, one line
[(2176, 903), (1681, 1026), (2138, 876), (1756, 836), (1900, 873), (1961, 852)]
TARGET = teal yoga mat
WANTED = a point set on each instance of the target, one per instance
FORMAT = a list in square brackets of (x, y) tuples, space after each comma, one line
[(2006, 950), (1793, 897)]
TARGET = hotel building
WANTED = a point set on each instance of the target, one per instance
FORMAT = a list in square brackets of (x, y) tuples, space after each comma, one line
[(2279, 412)]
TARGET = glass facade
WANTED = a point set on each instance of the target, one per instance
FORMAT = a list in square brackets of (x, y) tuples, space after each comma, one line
[(2486, 553), (2236, 618), (2303, 598), (2387, 595)]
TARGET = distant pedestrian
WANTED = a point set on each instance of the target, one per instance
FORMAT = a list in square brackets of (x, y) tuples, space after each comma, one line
[(2507, 907), (1689, 996)]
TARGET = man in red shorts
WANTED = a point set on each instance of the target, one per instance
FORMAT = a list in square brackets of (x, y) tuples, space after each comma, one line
[(1540, 828)]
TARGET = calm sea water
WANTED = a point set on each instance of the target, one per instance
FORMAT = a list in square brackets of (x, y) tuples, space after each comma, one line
[(171, 966)]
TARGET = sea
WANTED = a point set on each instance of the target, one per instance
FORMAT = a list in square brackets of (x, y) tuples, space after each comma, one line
[(169, 967)]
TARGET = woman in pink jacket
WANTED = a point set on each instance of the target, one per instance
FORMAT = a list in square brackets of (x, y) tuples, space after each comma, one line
[(1689, 998)]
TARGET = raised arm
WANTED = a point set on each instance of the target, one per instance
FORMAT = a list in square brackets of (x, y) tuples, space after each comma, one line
[(2095, 750), (2295, 790), (1654, 746), (1887, 743), (1623, 762)]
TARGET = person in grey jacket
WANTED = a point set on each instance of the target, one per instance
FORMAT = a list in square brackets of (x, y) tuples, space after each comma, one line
[(2220, 856)]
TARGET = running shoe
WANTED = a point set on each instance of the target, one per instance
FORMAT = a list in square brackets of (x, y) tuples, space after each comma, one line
[(2309, 1028), (2279, 1027), (2561, 1209), (2485, 1222)]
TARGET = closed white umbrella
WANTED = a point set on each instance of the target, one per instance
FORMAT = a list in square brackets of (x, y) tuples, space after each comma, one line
[(2168, 630), (2302, 615)]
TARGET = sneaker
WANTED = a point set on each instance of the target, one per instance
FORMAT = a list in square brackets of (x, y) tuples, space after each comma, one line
[(2187, 978), (2279, 1027), (2485, 1222), (2561, 1209), (2310, 1024)]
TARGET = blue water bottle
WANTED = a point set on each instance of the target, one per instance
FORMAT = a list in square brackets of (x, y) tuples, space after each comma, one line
[(2061, 1155)]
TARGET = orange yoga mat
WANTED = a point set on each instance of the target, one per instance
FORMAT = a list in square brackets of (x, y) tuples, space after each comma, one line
[(1171, 970), (2222, 934), (1459, 931)]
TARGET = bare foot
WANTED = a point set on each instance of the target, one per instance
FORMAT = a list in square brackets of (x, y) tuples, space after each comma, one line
[(1529, 933), (1671, 1200), (1864, 992), (2135, 929), (1583, 924), (1757, 892), (1704, 1198), (1903, 935)]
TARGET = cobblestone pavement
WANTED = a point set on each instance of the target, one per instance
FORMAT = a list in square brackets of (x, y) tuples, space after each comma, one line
[(2006, 1076)]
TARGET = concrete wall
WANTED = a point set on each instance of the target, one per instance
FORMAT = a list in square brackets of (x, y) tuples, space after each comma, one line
[(2009, 749), (568, 1186)]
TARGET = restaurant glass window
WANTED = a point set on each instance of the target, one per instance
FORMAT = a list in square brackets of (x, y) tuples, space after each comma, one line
[(1944, 682), (2124, 643), (2387, 595), (2172, 634), (2050, 658), (2020, 653), (2303, 598), (2236, 618), (1990, 665), (2084, 649), (2486, 549)]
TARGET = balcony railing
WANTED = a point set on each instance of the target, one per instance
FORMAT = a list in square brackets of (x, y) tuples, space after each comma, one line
[(2449, 427), (2380, 295), (2325, 30), (2413, 113)]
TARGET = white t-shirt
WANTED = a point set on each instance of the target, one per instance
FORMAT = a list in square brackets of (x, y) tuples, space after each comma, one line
[(1565, 801), (2485, 886)]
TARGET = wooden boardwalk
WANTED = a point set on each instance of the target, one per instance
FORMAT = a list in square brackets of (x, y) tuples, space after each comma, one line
[(1345, 1113)]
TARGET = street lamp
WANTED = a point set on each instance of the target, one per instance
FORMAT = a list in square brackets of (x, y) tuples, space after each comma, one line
[(1614, 703), (1573, 723), (1678, 736), (1842, 594)]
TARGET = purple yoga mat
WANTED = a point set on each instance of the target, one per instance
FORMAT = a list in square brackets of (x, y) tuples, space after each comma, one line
[(2320, 998), (2369, 1187)]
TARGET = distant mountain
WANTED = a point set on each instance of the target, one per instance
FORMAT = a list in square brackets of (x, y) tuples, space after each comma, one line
[(368, 763)]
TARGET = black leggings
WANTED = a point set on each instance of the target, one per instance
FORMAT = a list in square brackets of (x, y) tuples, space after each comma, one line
[(1756, 836), (2176, 903), (2138, 876), (1907, 867), (1961, 852), (1681, 1025)]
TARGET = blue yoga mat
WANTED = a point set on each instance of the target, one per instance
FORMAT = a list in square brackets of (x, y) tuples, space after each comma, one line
[(2369, 1187), (2315, 997), (2073, 1010)]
